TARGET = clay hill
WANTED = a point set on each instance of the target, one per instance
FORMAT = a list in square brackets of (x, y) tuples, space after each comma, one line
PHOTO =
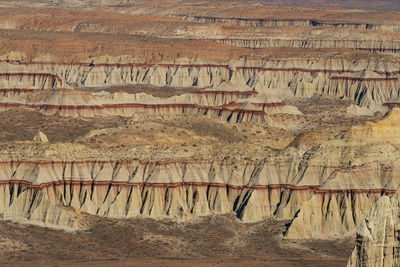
[(211, 133)]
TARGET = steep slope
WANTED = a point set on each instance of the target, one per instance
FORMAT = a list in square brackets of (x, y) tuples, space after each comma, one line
[(365, 82), (370, 153), (177, 112), (287, 184), (377, 236)]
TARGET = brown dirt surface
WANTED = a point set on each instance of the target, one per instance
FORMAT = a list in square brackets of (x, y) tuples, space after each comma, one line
[(322, 119), (22, 125), (209, 241), (61, 33)]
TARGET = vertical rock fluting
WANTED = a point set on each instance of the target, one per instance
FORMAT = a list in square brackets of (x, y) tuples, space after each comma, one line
[(308, 191), (260, 22), (24, 204), (230, 106), (332, 214), (390, 46), (42, 192), (28, 81), (366, 82), (377, 239)]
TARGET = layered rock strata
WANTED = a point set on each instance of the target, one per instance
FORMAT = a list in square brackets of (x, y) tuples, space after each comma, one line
[(27, 81), (161, 147), (231, 106), (390, 46), (178, 190), (377, 239), (259, 22), (328, 194), (369, 140), (363, 82)]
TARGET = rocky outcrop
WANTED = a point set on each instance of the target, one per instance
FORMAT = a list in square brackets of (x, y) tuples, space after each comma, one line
[(377, 239), (389, 46), (24, 81), (286, 114), (328, 213), (322, 191), (324, 188), (40, 137), (34, 207), (177, 190), (259, 22), (230, 106), (363, 82)]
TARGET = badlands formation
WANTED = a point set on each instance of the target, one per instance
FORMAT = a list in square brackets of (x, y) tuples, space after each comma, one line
[(264, 124)]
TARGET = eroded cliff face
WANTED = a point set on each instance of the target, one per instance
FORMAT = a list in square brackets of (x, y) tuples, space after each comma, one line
[(377, 236), (322, 195), (341, 213), (389, 46), (230, 106), (329, 194), (197, 112), (377, 239), (259, 22), (367, 83), (178, 191)]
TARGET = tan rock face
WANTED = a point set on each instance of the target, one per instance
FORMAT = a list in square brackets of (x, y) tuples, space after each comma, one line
[(325, 76), (174, 110), (40, 137), (377, 236), (314, 189), (385, 130)]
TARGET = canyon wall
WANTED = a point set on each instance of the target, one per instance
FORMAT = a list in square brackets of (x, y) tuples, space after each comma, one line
[(390, 46), (330, 194), (180, 111), (377, 240), (367, 83), (259, 22)]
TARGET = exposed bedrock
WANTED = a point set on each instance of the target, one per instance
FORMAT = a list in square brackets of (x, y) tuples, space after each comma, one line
[(325, 191), (127, 189), (365, 82), (33, 206), (259, 22), (335, 215), (390, 46), (230, 106), (371, 155), (233, 115), (316, 188), (377, 239), (28, 81)]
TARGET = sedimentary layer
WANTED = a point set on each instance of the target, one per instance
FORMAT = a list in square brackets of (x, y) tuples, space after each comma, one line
[(283, 114), (177, 190), (260, 22), (231, 106), (390, 46), (367, 83), (377, 239), (328, 194)]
